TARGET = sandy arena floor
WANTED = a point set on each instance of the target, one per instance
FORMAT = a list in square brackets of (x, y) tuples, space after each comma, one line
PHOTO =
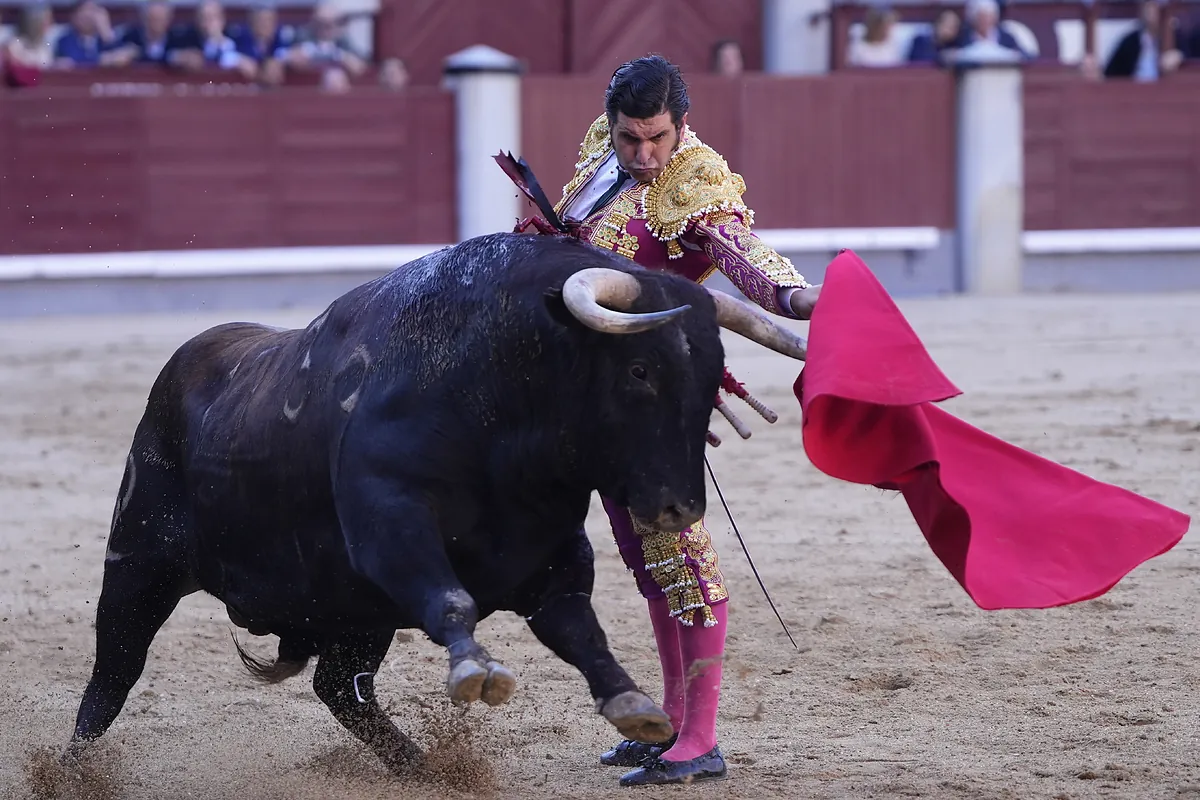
[(900, 688)]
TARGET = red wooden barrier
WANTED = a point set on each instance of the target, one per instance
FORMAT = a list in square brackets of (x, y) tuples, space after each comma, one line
[(1115, 154), (846, 150), (292, 167)]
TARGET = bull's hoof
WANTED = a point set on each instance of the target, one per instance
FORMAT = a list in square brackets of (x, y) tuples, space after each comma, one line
[(73, 754), (465, 684), (637, 718), (404, 760), (499, 686)]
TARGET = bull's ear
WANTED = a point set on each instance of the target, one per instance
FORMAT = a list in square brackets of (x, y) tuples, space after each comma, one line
[(553, 298)]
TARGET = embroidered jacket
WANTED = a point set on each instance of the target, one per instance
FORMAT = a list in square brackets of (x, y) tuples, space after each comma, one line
[(689, 220)]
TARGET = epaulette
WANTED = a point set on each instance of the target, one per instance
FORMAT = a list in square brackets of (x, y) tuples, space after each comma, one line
[(697, 181)]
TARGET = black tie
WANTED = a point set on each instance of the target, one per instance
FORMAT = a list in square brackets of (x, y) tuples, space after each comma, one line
[(607, 197)]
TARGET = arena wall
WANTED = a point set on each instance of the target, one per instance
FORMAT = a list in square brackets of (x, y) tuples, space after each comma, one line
[(215, 180)]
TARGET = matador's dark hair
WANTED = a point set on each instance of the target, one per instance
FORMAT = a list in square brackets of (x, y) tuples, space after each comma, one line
[(646, 87)]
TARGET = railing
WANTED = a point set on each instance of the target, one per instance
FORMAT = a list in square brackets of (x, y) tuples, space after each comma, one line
[(281, 168), (174, 167)]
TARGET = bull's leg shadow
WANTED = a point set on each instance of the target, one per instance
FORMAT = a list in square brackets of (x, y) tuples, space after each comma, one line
[(419, 579), (345, 682), (558, 609), (145, 576)]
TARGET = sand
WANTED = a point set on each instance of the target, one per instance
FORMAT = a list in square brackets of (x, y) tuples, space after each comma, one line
[(900, 686)]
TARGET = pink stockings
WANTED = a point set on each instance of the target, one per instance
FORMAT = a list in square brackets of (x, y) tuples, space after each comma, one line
[(691, 659)]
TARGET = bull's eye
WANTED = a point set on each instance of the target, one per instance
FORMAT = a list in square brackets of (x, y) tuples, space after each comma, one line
[(638, 371)]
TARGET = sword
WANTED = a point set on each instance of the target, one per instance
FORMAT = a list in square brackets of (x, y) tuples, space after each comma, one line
[(742, 541)]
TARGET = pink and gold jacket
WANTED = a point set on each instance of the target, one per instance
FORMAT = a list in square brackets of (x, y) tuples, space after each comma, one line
[(690, 220)]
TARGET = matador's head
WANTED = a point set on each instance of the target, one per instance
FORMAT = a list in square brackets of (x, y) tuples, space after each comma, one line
[(647, 105)]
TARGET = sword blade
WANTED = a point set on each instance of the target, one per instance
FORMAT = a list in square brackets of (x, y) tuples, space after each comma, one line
[(745, 550)]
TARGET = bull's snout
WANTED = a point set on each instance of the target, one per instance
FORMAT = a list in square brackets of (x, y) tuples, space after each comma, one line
[(674, 517)]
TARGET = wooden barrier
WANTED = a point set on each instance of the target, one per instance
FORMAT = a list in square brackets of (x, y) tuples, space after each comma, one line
[(1115, 154), (846, 150), (222, 166), (288, 168)]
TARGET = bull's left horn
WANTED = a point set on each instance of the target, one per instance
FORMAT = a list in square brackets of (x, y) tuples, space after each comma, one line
[(589, 291), (756, 326)]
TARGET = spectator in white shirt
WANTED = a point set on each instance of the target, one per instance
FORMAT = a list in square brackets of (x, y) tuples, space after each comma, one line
[(878, 47)]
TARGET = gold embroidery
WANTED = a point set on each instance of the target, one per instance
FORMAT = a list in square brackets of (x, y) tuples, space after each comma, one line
[(611, 232), (596, 146), (695, 183), (729, 233), (698, 545), (663, 553)]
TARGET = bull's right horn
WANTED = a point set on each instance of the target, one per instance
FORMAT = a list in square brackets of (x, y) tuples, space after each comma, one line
[(756, 326), (589, 291)]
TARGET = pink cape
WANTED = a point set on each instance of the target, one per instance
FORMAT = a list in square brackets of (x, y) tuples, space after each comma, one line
[(1016, 530)]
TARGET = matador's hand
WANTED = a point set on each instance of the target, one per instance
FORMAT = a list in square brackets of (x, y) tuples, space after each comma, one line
[(803, 301)]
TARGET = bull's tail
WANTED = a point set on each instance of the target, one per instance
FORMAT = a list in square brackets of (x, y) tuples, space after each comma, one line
[(292, 659)]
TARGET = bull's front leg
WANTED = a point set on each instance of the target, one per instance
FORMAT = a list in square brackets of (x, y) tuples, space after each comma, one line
[(560, 614), (393, 541)]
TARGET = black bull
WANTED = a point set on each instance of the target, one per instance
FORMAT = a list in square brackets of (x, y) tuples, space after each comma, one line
[(420, 456)]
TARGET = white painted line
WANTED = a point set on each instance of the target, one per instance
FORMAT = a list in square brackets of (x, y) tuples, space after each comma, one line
[(1118, 240), (304, 260)]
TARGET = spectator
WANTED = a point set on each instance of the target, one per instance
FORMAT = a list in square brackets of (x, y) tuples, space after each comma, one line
[(727, 59), (90, 40), (878, 47), (393, 74), (1137, 54), (31, 46), (264, 39), (206, 45), (152, 37), (929, 48), (324, 45), (983, 24), (266, 42)]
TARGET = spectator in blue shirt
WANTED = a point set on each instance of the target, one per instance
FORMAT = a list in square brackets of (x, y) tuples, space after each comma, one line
[(324, 45), (152, 37), (265, 41), (89, 41), (206, 44), (263, 38), (929, 48)]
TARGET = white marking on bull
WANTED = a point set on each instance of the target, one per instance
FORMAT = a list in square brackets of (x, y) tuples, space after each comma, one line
[(307, 360), (122, 502), (233, 371), (683, 341), (360, 354), (316, 324), (292, 413)]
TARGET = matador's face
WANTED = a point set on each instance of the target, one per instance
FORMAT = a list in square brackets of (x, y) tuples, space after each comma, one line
[(643, 146)]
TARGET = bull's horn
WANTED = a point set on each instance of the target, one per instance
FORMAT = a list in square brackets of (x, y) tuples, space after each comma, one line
[(756, 326), (589, 291)]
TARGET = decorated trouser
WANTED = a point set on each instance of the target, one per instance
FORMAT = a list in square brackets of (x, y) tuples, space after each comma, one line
[(682, 567)]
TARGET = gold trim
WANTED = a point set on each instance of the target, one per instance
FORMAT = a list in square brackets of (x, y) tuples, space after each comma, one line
[(695, 183), (663, 553), (594, 148)]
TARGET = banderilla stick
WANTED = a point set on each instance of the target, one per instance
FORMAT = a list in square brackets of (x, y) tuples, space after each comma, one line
[(737, 424), (735, 387)]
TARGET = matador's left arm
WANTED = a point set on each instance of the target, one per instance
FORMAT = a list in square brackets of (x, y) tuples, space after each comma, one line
[(696, 204), (760, 273)]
